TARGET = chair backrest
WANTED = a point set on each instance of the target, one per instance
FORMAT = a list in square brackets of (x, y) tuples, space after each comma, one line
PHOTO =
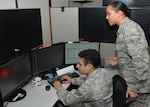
[(119, 92)]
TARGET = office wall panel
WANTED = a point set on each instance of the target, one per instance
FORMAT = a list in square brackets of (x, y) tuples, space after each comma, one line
[(7, 4), (64, 24)]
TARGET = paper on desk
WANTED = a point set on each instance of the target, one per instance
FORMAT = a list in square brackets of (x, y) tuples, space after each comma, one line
[(65, 70)]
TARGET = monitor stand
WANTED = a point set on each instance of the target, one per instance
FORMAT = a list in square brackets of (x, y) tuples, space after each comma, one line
[(18, 95)]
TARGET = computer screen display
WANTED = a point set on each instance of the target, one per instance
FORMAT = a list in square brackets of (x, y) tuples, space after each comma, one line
[(48, 58), (20, 31), (72, 50), (93, 25), (14, 74)]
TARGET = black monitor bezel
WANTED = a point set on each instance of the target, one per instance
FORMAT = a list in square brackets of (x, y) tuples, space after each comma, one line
[(20, 85), (13, 43), (34, 57)]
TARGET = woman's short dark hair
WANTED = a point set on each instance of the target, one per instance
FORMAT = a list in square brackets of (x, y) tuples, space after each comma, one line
[(91, 56), (119, 5)]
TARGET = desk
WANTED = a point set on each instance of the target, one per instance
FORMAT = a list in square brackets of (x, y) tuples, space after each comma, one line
[(39, 97)]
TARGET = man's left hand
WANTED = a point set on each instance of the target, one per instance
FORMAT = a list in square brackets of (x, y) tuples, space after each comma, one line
[(57, 85)]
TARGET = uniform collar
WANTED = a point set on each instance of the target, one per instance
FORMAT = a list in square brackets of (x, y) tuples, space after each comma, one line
[(94, 72), (122, 23)]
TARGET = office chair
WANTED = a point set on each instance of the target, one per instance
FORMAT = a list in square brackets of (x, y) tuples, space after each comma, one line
[(119, 92)]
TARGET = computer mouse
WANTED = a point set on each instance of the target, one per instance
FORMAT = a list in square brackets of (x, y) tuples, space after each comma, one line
[(47, 87)]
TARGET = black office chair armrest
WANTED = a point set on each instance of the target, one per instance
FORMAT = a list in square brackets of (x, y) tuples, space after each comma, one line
[(59, 104), (119, 92)]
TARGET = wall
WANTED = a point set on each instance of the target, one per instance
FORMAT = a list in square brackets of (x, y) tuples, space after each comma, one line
[(64, 24), (107, 50), (75, 3), (59, 3), (7, 4)]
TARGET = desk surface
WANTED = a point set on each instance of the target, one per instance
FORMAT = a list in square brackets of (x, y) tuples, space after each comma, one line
[(39, 97)]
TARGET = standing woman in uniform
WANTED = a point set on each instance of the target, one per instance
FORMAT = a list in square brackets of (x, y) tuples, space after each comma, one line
[(132, 58)]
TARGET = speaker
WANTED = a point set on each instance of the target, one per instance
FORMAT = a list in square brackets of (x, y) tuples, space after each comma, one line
[(1, 100)]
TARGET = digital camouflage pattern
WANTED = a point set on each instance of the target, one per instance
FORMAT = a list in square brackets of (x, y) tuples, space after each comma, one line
[(95, 90), (133, 56)]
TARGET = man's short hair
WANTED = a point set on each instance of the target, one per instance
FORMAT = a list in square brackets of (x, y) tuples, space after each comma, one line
[(91, 56)]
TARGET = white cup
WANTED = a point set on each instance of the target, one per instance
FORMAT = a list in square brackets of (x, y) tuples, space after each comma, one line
[(37, 81)]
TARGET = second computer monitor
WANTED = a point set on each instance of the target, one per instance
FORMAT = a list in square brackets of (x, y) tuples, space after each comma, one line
[(43, 60), (72, 50)]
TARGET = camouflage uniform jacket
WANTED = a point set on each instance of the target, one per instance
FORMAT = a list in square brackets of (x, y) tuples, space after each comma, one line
[(94, 90), (133, 56)]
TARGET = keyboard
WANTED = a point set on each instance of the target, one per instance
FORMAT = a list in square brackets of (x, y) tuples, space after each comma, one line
[(58, 78)]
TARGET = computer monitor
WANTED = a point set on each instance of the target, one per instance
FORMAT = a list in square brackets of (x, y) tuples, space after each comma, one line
[(93, 25), (20, 31), (46, 59), (72, 50), (14, 75)]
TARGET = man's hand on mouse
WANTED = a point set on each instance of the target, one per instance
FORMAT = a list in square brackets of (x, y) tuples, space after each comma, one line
[(66, 79)]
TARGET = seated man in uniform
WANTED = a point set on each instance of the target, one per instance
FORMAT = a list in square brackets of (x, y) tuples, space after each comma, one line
[(95, 86)]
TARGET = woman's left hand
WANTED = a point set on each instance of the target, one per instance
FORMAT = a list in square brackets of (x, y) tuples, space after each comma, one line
[(133, 95)]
